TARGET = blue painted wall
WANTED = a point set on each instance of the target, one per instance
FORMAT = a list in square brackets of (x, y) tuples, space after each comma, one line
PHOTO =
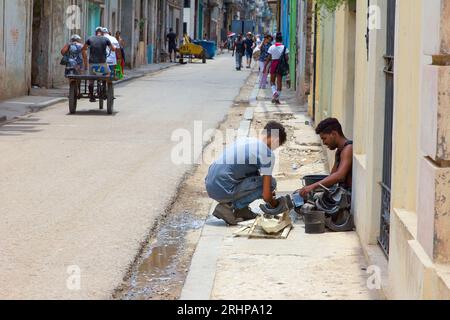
[(285, 12)]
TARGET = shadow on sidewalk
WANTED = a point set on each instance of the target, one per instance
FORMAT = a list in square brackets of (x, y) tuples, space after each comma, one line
[(22, 126)]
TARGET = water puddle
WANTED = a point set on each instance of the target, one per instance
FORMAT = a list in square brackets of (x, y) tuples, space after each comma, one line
[(162, 269)]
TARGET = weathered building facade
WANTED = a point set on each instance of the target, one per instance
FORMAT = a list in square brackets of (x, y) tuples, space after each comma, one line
[(382, 68), (15, 47), (33, 32)]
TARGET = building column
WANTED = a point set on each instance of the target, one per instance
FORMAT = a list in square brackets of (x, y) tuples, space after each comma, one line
[(434, 168), (128, 31)]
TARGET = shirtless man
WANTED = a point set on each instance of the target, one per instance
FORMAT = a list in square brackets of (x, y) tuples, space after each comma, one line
[(330, 131)]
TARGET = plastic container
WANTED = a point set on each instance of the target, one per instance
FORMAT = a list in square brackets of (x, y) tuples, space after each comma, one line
[(314, 222), (309, 180), (209, 46)]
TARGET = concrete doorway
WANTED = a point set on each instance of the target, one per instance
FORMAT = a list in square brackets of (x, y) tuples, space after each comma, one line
[(37, 53)]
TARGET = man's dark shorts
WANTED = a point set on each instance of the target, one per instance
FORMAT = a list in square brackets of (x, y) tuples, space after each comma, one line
[(172, 48)]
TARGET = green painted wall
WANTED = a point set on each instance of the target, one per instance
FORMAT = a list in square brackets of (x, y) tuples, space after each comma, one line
[(94, 18), (293, 5)]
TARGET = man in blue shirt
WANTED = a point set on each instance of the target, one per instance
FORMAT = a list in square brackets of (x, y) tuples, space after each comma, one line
[(243, 174)]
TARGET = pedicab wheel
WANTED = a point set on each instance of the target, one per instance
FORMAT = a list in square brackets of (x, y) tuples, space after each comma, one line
[(110, 99), (73, 99), (181, 59), (204, 57), (341, 222), (100, 103)]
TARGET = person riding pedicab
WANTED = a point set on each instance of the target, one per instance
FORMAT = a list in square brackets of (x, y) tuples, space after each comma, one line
[(97, 57), (72, 53)]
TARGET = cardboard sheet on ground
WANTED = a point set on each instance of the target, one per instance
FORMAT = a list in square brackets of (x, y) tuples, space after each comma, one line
[(275, 228)]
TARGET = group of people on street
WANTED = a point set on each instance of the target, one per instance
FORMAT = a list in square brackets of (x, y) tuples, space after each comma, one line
[(273, 59), (244, 47), (243, 173), (106, 56)]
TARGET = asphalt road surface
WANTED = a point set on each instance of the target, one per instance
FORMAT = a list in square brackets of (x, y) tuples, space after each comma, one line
[(79, 194)]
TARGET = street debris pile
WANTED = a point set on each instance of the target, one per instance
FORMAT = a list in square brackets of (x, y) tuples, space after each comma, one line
[(273, 223), (266, 227)]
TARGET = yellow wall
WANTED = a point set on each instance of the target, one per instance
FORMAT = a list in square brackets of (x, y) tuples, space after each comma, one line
[(408, 67), (412, 274), (344, 66)]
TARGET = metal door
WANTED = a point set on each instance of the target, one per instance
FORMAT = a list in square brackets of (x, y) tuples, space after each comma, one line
[(388, 126)]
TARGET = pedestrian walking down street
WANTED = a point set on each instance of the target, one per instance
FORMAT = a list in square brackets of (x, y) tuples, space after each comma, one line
[(238, 51), (278, 57), (263, 68), (172, 42), (121, 59), (249, 44)]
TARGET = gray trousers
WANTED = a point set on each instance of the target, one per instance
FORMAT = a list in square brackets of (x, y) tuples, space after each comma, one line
[(238, 56), (250, 190)]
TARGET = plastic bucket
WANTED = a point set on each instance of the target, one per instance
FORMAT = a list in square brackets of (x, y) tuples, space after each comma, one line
[(314, 222), (309, 180), (209, 46)]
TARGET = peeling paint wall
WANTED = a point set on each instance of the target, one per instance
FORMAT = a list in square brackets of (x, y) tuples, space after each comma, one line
[(434, 216), (15, 42), (54, 22), (50, 34)]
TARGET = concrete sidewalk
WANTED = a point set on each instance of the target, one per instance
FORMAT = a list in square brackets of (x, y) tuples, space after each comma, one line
[(328, 266), (40, 98)]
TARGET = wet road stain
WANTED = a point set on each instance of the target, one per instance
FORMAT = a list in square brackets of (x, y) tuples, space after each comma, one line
[(162, 268)]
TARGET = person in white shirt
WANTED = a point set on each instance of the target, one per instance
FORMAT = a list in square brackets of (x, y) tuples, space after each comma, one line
[(276, 78), (111, 56)]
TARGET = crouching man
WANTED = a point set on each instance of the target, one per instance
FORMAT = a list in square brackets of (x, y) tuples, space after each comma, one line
[(330, 131), (243, 174)]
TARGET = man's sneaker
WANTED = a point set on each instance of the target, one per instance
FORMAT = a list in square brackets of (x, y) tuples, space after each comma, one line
[(225, 212), (245, 214)]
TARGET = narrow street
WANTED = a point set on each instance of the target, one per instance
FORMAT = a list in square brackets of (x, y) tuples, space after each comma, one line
[(85, 190), (237, 150)]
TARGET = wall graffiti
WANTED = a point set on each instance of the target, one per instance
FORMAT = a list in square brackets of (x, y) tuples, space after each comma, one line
[(15, 33)]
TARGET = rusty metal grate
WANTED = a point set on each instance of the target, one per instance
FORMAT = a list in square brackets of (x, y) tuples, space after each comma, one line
[(386, 184), (385, 226)]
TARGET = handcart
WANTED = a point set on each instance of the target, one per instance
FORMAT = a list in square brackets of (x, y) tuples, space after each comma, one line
[(103, 91)]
